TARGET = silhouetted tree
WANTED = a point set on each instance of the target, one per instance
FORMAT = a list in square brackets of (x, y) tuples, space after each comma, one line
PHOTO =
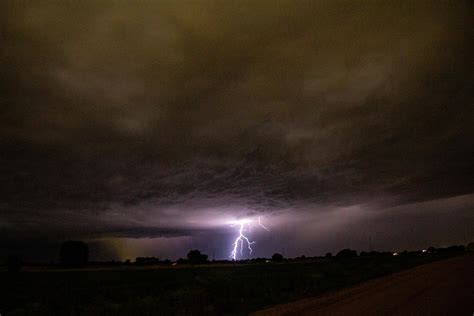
[(195, 257), (328, 255), (13, 264), (277, 257), (346, 253), (74, 253), (452, 250), (470, 247)]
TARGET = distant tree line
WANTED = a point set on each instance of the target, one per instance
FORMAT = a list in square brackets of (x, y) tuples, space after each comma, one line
[(76, 254), (150, 260)]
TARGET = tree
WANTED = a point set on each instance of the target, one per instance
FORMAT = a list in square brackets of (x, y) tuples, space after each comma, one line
[(195, 257), (346, 253), (328, 255), (277, 257), (13, 264), (74, 253), (470, 247)]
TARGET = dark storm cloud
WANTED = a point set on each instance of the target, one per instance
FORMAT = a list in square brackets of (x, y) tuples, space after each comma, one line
[(115, 113)]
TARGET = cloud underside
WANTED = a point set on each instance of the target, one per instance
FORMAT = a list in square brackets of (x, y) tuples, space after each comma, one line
[(124, 115)]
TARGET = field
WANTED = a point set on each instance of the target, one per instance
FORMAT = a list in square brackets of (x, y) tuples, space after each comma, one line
[(227, 289)]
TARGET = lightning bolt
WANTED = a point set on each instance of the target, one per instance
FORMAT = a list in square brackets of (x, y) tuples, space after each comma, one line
[(244, 226), (264, 227)]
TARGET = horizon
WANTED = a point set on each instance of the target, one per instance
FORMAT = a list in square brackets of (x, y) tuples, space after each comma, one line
[(185, 260)]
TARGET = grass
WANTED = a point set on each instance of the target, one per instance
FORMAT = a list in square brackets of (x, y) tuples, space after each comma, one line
[(201, 290)]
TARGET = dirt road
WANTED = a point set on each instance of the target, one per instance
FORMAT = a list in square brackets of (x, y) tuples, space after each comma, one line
[(440, 288)]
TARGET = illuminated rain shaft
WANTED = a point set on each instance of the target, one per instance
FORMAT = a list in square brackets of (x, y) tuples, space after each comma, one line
[(238, 245)]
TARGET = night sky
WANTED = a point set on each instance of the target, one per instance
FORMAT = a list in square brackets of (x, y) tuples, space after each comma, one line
[(145, 128)]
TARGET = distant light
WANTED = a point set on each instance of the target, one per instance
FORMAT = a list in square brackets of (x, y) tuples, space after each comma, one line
[(174, 263), (395, 254), (424, 250)]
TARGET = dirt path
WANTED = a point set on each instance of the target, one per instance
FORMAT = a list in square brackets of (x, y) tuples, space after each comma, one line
[(440, 288)]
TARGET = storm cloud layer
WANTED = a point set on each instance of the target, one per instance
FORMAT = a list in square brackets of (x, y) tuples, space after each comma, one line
[(123, 121)]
